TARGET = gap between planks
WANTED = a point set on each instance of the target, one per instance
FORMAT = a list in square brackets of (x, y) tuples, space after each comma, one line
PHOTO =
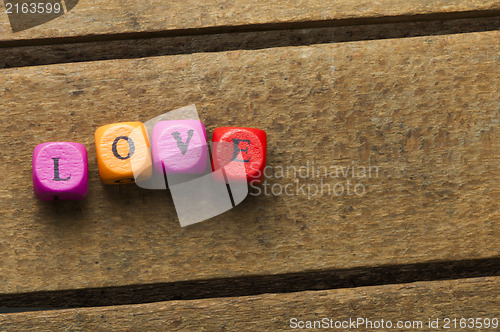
[(77, 50), (307, 24), (254, 285), (417, 304)]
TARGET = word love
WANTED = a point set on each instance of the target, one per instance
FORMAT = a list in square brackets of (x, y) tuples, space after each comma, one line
[(125, 154)]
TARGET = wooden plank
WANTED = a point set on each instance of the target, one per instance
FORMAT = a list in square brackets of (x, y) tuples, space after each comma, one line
[(137, 48), (412, 304), (100, 17), (423, 110)]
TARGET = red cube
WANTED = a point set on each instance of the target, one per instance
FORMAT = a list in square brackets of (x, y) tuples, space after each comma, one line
[(241, 152)]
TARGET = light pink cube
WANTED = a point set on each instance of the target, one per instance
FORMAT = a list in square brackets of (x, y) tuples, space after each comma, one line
[(179, 146), (60, 171)]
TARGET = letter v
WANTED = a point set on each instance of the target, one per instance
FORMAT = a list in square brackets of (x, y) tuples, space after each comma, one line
[(183, 146)]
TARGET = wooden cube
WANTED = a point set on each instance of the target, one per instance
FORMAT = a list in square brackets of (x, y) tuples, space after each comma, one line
[(234, 146), (179, 146), (60, 171), (123, 153)]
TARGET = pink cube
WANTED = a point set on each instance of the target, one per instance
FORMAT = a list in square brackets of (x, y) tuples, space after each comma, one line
[(60, 171), (179, 146)]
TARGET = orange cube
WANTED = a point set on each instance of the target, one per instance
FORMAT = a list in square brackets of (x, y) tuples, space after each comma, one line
[(123, 153)]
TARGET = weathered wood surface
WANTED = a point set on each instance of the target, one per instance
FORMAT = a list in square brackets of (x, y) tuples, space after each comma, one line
[(34, 55), (101, 17), (414, 304), (424, 110)]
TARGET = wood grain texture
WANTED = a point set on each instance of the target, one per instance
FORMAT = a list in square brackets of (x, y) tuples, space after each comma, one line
[(100, 17), (415, 302), (147, 47), (424, 110)]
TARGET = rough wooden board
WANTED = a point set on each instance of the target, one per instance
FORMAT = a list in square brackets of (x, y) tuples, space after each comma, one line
[(424, 110), (416, 302), (137, 48), (98, 17), (253, 285)]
